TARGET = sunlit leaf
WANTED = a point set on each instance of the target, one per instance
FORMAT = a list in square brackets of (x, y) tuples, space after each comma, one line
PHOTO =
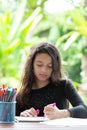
[(17, 19)]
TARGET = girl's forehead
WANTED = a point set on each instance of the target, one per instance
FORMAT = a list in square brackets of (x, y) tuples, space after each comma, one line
[(43, 57)]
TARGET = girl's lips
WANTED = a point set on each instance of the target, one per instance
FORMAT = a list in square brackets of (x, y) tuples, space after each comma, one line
[(43, 75)]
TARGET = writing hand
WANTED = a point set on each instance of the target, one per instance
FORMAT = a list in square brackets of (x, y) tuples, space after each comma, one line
[(29, 113), (52, 112)]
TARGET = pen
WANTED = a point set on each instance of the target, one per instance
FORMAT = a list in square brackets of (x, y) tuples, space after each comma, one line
[(5, 94), (53, 104), (12, 94), (1, 94), (37, 111), (4, 86), (9, 94)]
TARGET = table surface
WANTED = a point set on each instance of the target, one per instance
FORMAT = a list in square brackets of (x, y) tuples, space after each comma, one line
[(38, 126)]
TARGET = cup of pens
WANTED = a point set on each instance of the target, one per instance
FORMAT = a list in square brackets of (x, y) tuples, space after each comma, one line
[(7, 105)]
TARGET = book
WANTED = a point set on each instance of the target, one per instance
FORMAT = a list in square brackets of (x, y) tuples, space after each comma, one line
[(67, 122), (30, 119)]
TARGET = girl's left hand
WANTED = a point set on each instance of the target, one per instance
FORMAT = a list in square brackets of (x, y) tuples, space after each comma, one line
[(52, 112)]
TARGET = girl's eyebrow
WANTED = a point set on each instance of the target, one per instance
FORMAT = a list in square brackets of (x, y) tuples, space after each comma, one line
[(38, 61), (42, 62)]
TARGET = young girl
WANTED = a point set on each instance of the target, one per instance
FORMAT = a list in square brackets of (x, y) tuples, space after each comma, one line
[(43, 91)]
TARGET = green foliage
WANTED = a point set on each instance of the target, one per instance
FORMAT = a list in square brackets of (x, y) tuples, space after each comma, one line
[(26, 23), (73, 43), (77, 27), (16, 34), (74, 72)]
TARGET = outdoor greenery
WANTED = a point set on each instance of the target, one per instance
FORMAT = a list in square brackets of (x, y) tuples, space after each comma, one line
[(24, 23)]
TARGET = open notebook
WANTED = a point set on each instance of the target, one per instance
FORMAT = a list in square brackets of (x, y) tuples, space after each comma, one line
[(30, 119), (67, 122)]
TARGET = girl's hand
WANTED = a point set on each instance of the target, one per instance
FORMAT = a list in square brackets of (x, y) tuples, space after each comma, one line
[(52, 112), (29, 113)]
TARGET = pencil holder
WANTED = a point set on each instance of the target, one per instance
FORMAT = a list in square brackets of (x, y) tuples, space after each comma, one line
[(7, 112)]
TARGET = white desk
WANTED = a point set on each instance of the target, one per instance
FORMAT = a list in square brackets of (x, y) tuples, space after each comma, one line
[(49, 125)]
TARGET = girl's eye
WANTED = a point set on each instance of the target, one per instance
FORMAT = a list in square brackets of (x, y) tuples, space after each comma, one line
[(39, 65), (42, 65), (49, 66)]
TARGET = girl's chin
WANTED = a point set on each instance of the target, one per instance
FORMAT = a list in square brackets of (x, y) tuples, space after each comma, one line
[(42, 79)]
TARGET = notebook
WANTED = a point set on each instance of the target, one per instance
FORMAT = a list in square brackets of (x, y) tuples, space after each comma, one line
[(30, 119)]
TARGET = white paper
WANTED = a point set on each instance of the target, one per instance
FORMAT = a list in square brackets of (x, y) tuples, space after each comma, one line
[(30, 119), (67, 122)]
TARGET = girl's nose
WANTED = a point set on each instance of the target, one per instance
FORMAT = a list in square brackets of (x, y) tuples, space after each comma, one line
[(44, 69)]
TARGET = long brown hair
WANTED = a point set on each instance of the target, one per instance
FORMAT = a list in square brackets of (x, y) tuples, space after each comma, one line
[(29, 78)]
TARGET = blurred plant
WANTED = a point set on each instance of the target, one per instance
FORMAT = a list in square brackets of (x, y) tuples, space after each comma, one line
[(16, 34), (74, 42)]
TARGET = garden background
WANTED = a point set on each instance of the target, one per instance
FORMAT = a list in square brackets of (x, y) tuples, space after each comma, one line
[(24, 23)]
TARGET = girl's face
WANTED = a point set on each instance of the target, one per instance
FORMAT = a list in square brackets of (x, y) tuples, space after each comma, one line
[(42, 67)]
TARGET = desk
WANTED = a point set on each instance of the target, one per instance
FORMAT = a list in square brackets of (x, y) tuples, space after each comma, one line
[(38, 126), (57, 124)]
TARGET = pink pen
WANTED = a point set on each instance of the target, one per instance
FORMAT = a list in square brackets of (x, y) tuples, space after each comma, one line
[(53, 104), (37, 111)]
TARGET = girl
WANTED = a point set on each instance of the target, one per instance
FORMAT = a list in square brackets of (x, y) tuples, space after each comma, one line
[(42, 86)]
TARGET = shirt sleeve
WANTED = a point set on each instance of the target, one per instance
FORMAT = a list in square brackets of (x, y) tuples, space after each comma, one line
[(78, 109)]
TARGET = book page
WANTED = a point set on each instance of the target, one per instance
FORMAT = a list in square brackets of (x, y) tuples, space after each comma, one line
[(30, 119), (67, 122)]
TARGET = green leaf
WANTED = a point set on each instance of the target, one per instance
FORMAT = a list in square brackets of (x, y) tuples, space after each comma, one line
[(17, 19), (28, 22), (12, 46), (70, 40)]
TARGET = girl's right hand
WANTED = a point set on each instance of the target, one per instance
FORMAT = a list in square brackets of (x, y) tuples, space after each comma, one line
[(29, 113)]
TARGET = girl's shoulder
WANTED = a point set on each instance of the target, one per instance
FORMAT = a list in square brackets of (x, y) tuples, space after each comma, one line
[(64, 82)]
